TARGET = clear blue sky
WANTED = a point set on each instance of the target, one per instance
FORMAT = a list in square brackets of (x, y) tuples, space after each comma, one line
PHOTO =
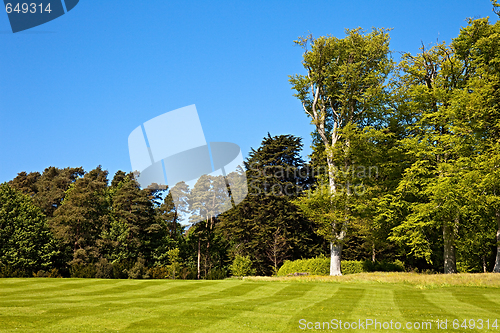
[(73, 89)]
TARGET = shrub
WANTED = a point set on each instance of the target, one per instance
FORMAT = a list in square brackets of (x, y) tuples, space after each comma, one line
[(120, 268), (175, 266), (216, 274), (314, 266), (53, 273), (384, 266), (321, 266), (139, 270), (188, 273), (7, 271), (104, 269), (82, 271), (158, 272), (352, 267), (242, 266)]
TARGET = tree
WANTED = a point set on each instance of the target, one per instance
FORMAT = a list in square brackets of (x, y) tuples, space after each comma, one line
[(134, 229), (343, 90), (452, 92), (26, 183), (266, 225), (477, 47), (47, 190), (242, 266), (26, 243), (83, 215)]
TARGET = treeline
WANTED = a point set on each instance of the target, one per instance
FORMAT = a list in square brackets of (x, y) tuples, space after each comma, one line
[(72, 223), (430, 123)]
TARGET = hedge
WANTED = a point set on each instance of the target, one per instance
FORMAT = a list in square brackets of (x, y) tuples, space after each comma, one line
[(321, 266)]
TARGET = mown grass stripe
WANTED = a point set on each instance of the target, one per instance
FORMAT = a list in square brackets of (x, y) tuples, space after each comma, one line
[(228, 305)]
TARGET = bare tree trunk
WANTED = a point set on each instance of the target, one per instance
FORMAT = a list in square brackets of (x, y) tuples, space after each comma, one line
[(450, 265), (335, 259), (335, 247), (199, 258), (373, 252), (496, 269)]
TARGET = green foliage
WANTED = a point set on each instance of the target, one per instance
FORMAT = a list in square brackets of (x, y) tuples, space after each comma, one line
[(217, 274), (82, 271), (121, 268), (80, 220), (159, 272), (314, 266), (321, 266), (353, 267), (139, 270), (7, 271), (242, 266), (345, 94), (26, 244), (383, 266), (175, 266), (53, 273), (267, 225), (104, 269)]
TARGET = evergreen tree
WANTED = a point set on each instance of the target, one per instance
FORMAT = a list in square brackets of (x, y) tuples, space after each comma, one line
[(83, 215), (267, 226), (26, 243)]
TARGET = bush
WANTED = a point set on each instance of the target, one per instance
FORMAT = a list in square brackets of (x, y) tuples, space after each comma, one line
[(120, 268), (159, 272), (82, 271), (353, 266), (104, 269), (321, 266), (8, 271), (314, 266), (174, 267), (188, 273), (216, 274), (384, 266), (53, 273), (139, 270), (242, 266)]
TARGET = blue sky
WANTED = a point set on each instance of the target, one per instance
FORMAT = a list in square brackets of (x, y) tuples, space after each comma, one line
[(73, 89)]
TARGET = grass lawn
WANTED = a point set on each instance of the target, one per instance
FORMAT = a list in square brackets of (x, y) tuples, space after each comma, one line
[(250, 305)]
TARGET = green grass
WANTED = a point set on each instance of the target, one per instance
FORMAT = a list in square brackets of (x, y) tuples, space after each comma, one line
[(249, 305)]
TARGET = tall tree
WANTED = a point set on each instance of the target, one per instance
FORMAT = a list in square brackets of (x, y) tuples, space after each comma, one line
[(48, 189), (26, 243), (343, 90), (83, 215), (134, 228), (453, 92), (266, 225), (478, 47)]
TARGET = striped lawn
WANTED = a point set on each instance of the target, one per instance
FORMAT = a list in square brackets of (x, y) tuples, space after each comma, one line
[(93, 305)]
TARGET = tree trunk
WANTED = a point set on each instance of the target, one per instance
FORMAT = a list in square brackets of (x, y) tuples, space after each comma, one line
[(335, 259), (496, 269), (450, 265), (335, 247), (199, 258), (373, 252)]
